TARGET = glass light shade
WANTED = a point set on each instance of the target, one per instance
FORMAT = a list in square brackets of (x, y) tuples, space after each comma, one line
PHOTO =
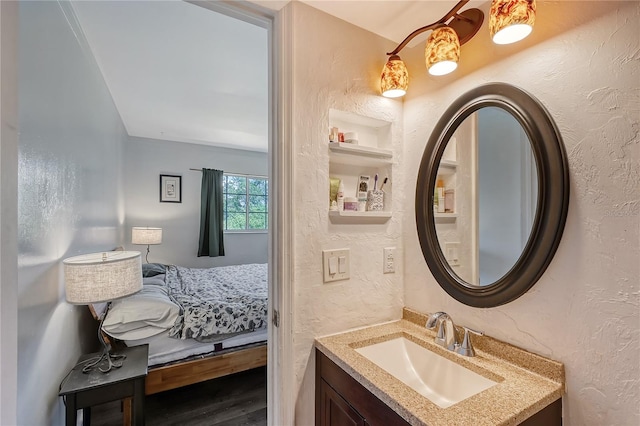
[(394, 81), (101, 277), (511, 20), (442, 51), (146, 235)]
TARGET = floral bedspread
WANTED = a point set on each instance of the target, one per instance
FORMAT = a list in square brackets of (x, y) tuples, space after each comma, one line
[(214, 301)]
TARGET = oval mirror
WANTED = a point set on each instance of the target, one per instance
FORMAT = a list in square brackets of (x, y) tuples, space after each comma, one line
[(492, 195)]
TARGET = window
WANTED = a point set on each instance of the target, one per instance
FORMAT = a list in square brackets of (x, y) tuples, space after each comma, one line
[(245, 202)]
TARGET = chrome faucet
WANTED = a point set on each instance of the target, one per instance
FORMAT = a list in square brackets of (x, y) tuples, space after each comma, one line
[(447, 334)]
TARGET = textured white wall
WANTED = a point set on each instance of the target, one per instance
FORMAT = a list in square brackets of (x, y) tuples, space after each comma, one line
[(336, 65), (582, 63), (70, 197), (145, 160)]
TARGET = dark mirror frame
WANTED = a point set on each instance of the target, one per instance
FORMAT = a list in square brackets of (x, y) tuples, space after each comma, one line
[(553, 194)]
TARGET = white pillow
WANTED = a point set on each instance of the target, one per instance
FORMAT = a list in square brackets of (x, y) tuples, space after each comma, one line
[(155, 280), (144, 314)]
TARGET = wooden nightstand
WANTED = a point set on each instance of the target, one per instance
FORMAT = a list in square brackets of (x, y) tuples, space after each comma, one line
[(81, 391)]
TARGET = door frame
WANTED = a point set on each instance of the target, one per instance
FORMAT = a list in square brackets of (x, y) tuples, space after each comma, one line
[(8, 212), (280, 372)]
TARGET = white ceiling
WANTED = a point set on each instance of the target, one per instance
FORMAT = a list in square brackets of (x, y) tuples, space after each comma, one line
[(180, 72), (390, 19)]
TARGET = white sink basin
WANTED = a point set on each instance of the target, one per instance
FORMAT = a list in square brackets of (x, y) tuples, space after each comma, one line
[(440, 380)]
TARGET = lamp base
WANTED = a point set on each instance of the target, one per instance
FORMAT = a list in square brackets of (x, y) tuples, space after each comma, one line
[(466, 24), (112, 361)]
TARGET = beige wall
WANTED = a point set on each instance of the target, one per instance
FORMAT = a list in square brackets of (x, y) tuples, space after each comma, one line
[(581, 62), (180, 222), (336, 65)]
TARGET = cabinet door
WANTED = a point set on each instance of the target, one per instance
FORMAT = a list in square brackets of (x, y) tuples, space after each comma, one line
[(335, 410)]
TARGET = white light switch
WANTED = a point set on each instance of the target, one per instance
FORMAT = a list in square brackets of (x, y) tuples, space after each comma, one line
[(335, 265), (342, 264)]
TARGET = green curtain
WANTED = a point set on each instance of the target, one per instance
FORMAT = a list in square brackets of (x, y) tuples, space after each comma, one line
[(211, 214)]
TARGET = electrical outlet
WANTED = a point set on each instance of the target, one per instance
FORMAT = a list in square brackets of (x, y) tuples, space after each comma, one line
[(389, 261)]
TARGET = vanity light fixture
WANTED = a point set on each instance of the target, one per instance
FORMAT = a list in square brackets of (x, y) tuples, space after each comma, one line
[(511, 21), (442, 50), (395, 78)]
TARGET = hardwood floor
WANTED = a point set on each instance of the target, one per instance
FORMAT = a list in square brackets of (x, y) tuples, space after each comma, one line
[(236, 400)]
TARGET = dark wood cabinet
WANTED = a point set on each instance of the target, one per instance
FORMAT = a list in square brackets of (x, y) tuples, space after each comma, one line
[(551, 415), (342, 401), (334, 410)]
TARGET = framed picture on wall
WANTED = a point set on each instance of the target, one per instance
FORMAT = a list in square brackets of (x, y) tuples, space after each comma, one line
[(170, 189)]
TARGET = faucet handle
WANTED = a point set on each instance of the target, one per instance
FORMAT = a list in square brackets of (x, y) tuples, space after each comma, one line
[(433, 320), (466, 348)]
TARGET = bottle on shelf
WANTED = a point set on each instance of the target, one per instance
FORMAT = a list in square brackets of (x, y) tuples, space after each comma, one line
[(340, 197), (440, 196), (449, 197)]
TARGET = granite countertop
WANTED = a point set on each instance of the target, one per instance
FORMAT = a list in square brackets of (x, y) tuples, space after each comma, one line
[(526, 382)]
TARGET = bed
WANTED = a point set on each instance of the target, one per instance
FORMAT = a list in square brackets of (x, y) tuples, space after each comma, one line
[(200, 324)]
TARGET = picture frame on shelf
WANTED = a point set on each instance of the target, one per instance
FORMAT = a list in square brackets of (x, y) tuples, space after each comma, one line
[(170, 189)]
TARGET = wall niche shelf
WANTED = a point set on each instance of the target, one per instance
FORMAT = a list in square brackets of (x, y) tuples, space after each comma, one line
[(370, 156), (359, 217), (450, 164), (447, 171), (447, 168), (358, 155), (367, 151), (445, 217)]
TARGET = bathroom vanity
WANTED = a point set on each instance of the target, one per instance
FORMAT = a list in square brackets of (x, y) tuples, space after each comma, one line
[(355, 388)]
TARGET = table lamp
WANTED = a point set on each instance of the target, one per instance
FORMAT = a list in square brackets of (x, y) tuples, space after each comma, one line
[(102, 277), (146, 235)]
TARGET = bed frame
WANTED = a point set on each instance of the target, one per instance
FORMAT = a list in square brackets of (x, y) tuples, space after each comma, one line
[(179, 374), (174, 376)]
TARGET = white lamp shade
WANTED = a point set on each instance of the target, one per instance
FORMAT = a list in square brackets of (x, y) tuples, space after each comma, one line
[(146, 235), (101, 277)]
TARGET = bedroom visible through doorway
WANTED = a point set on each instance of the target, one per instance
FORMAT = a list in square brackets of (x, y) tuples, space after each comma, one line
[(192, 84)]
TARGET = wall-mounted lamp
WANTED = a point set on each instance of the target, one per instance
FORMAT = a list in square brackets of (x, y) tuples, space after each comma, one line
[(395, 78), (510, 21), (442, 51), (146, 235)]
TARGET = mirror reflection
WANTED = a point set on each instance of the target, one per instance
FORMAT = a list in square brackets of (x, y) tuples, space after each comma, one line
[(486, 195)]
